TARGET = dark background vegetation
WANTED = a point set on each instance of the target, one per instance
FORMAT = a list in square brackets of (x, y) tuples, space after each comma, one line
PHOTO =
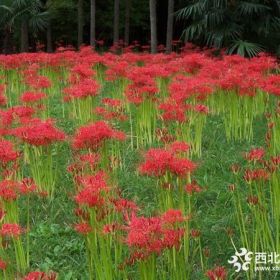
[(243, 27)]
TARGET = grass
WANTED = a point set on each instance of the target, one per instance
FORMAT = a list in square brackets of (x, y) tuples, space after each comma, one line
[(56, 246)]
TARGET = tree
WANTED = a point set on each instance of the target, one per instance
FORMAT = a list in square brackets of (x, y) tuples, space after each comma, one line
[(116, 21), (80, 23), (62, 20), (24, 42), (92, 22), (243, 27), (127, 22), (49, 38), (28, 14), (169, 31), (153, 22)]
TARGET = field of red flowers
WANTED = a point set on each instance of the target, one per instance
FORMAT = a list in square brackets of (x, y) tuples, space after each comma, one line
[(139, 166)]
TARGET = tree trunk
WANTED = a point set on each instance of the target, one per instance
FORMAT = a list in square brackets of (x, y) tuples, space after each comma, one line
[(116, 21), (80, 23), (169, 31), (49, 38), (92, 22), (6, 41), (127, 22), (24, 44), (153, 21)]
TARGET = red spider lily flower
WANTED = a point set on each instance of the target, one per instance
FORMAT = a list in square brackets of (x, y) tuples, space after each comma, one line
[(35, 275), (179, 147), (16, 114), (39, 133), (271, 84), (11, 230), (80, 72), (110, 115), (7, 152), (96, 182), (9, 190), (37, 82), (201, 108), (172, 237), (3, 98), (183, 88), (164, 136), (173, 111), (91, 159), (172, 216), (90, 198), (156, 163), (83, 228), (151, 235), (94, 188), (146, 234), (256, 175), (3, 265), (38, 275), (112, 102), (217, 273), (193, 188), (181, 166), (95, 134), (117, 70), (255, 154), (143, 86), (83, 89), (160, 161), (32, 97), (27, 186), (124, 205)]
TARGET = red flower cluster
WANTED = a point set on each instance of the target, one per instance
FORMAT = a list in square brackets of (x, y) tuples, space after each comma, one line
[(146, 236), (83, 89), (159, 161), (38, 275), (94, 135), (143, 86), (11, 230), (15, 115), (217, 273), (33, 79), (256, 175), (3, 265), (39, 133), (255, 154), (32, 97), (193, 188), (10, 190), (3, 98), (7, 152), (93, 190), (83, 228)]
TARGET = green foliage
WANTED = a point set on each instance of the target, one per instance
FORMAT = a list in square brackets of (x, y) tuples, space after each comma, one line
[(33, 10), (243, 27)]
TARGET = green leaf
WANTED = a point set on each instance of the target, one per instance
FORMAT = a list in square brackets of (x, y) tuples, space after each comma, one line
[(245, 48)]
